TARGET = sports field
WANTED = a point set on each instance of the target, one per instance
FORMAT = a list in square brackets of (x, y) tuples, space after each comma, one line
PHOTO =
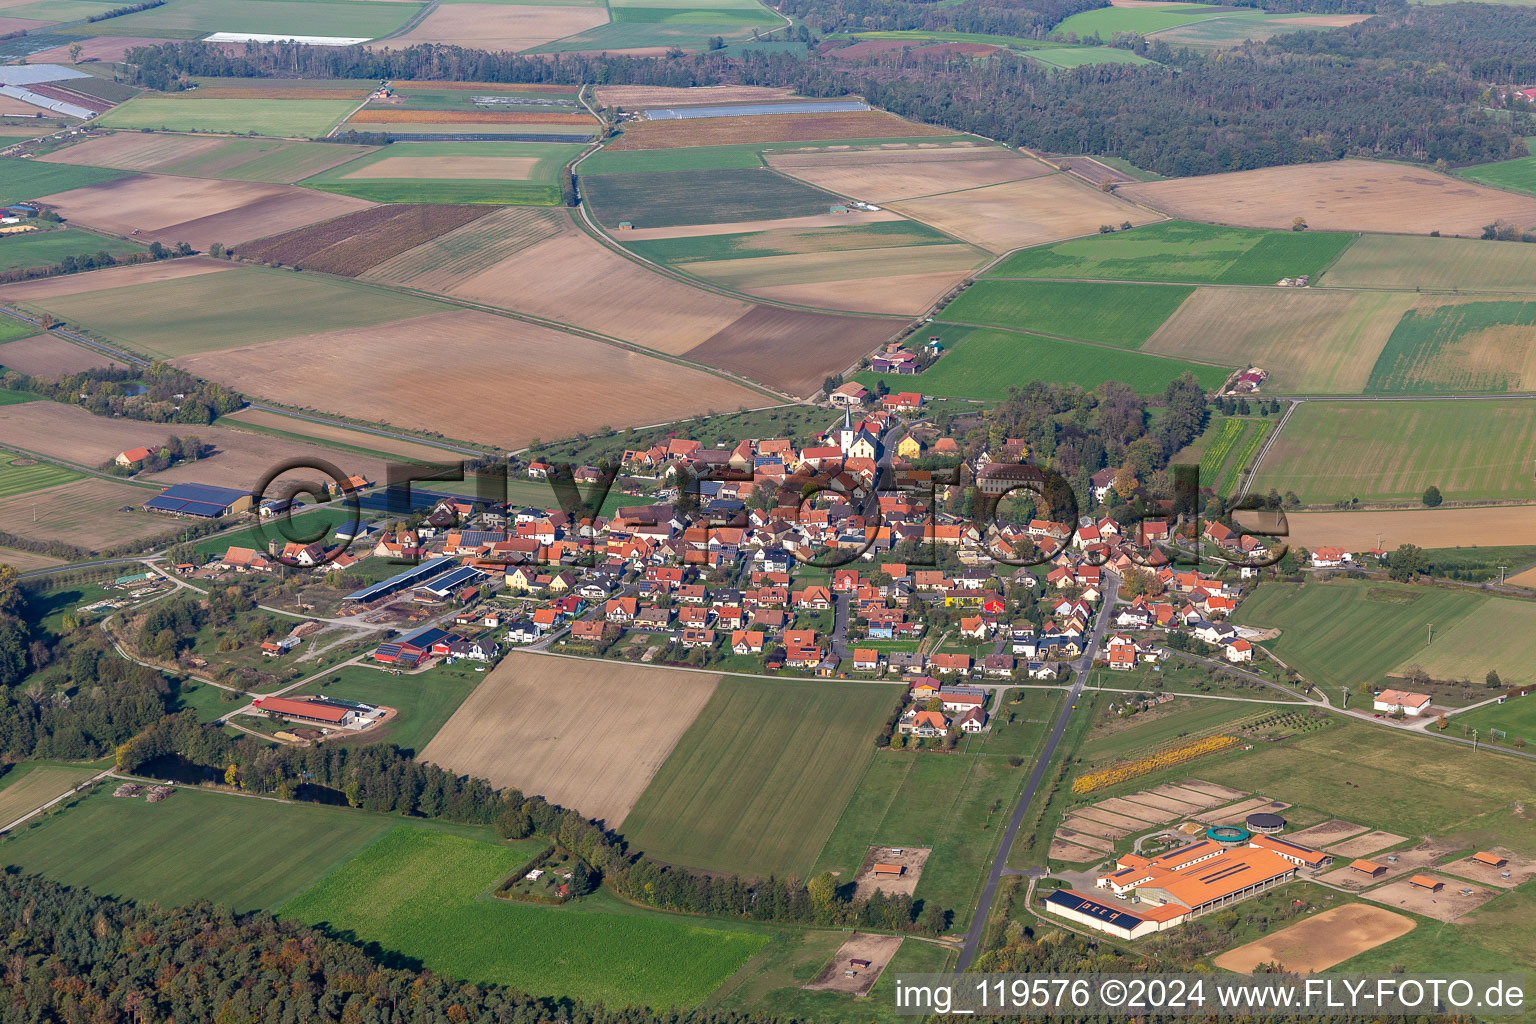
[(30, 785), (271, 160), (1123, 315), (1517, 717), (594, 949), (228, 309), (759, 780), (46, 248), (246, 854), (983, 364), (1409, 263), (1351, 632), (1392, 451), (1181, 252), (27, 179), (1478, 347), (516, 173), (20, 475), (282, 118), (193, 19), (702, 197)]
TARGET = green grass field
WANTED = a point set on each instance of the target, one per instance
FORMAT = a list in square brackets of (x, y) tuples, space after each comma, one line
[(1182, 252), (1106, 21), (984, 364), (1500, 635), (59, 10), (1392, 451), (1123, 315), (1408, 262), (1347, 633), (1449, 349), (1226, 448), (8, 397), (709, 158), (759, 780), (236, 307), (1517, 717), (424, 702), (1134, 737), (27, 179), (784, 242), (246, 854), (438, 913), (46, 248), (11, 329), (16, 479), (702, 197), (31, 784), (192, 19), (1518, 174), (281, 118), (689, 26), (542, 187)]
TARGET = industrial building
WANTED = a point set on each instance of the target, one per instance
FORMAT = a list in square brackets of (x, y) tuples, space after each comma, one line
[(202, 500), (401, 582)]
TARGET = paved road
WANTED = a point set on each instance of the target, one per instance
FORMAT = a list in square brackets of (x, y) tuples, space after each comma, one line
[(1082, 667)]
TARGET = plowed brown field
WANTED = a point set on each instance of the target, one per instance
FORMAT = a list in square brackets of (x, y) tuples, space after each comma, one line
[(726, 131), (791, 350), (113, 277), (356, 242), (47, 355)]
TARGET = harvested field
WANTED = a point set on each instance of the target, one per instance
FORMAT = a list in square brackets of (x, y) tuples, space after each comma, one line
[(113, 277), (880, 176), (134, 151), (1391, 261), (1120, 805), (912, 858), (1088, 827), (1320, 941), (448, 374), (887, 280), (382, 115), (449, 260), (1362, 845), (108, 49), (599, 758), (447, 168), (153, 207), (335, 435), (1458, 346), (792, 350), (1521, 870), (726, 131), (499, 26), (1328, 832), (269, 160), (1349, 195), (1430, 527), (1449, 904), (841, 976), (853, 218), (357, 242), (1008, 216), (84, 513), (26, 561), (1073, 854), (47, 355), (1311, 341), (555, 279), (672, 96)]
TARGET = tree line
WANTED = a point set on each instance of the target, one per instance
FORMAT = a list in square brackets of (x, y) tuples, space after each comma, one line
[(158, 393)]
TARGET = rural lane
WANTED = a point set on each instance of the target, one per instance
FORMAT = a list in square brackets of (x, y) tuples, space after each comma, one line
[(1081, 667)]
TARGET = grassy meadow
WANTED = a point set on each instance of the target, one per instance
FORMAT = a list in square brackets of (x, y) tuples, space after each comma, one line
[(702, 197), (16, 479), (46, 248), (539, 187), (1123, 315), (183, 112), (21, 180)]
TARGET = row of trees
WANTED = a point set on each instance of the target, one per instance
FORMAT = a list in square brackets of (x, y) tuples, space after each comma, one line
[(158, 393), (93, 261)]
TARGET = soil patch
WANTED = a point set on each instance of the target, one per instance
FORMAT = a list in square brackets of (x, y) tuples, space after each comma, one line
[(844, 974), (910, 858), (1321, 941)]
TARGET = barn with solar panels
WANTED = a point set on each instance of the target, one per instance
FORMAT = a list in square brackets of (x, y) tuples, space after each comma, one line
[(201, 500)]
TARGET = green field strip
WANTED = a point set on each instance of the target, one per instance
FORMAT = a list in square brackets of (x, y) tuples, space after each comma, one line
[(21, 180), (1122, 315)]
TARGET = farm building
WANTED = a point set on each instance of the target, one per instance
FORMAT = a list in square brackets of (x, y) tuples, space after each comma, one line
[(1368, 867), (1114, 920), (889, 870), (132, 457), (1427, 882), (317, 709), (1493, 860), (202, 500), (400, 582), (1264, 823), (1393, 701)]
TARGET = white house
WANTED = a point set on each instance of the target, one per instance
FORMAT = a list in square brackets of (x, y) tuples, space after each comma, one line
[(1392, 701), (1239, 650)]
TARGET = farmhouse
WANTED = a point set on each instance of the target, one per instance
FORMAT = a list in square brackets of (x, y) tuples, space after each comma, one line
[(316, 709), (132, 457), (1393, 701), (201, 500)]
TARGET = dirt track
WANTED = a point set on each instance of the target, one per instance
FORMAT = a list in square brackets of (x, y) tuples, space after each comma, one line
[(1320, 941)]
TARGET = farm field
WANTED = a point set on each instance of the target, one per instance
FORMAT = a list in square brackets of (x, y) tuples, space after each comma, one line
[(449, 373), (1501, 635), (325, 434), (192, 19), (1347, 195), (1181, 252), (279, 118), (1485, 527), (651, 30), (30, 785), (766, 128), (520, 173), (983, 364), (493, 26), (1349, 632), (1081, 56), (113, 277), (635, 96), (1517, 717), (881, 175), (27, 179), (26, 561), (790, 349), (425, 704), (83, 513), (1392, 451), (354, 243), (1478, 347), (1130, 739), (1312, 341), (1317, 943), (30, 475), (46, 248), (238, 307), (599, 758), (827, 233), (1218, 33), (449, 260), (593, 949), (1020, 213), (758, 782), (742, 155), (881, 280), (1463, 264), (156, 206), (269, 160), (656, 200), (247, 854), (1123, 315), (1106, 21), (1227, 447), (1518, 174)]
